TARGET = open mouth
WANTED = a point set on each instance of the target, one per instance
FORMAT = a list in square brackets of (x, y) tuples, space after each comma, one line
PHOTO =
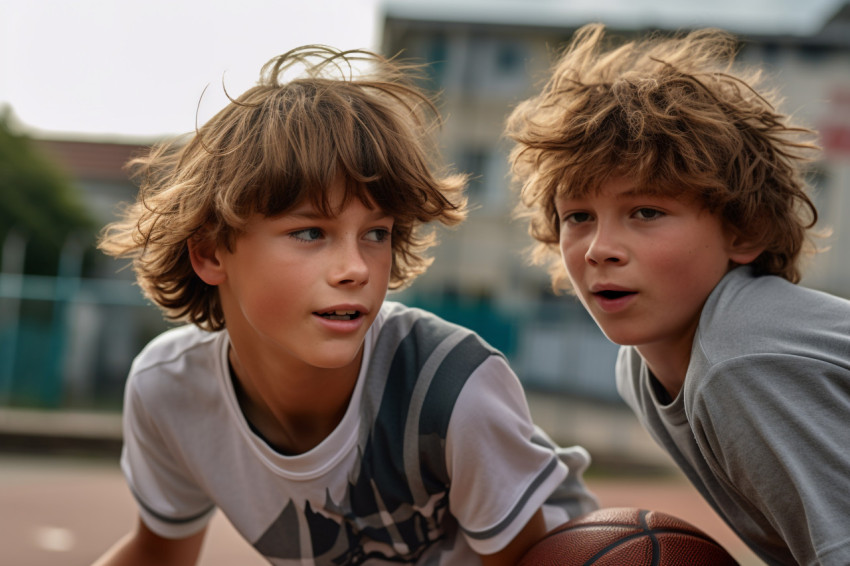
[(613, 294), (340, 315)]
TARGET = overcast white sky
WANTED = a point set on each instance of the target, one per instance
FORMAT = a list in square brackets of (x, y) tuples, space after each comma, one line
[(137, 68)]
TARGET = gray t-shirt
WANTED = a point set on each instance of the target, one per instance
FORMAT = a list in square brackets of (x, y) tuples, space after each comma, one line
[(762, 424)]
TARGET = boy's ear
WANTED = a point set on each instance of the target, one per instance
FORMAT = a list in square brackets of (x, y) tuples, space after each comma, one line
[(204, 255), (743, 250)]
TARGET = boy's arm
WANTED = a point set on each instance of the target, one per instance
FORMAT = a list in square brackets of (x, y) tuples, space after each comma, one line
[(775, 427), (144, 547), (533, 531), (503, 469)]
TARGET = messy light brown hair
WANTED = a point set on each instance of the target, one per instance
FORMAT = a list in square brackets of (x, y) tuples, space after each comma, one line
[(352, 114), (669, 113)]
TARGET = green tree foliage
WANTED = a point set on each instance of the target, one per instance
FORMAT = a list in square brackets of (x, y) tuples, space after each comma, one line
[(38, 200)]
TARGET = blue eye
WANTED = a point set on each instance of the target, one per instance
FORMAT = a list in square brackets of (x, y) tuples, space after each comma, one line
[(307, 235)]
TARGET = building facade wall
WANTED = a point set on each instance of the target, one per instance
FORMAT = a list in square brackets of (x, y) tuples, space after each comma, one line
[(481, 72)]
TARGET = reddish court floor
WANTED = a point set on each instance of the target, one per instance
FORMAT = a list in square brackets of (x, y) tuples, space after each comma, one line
[(68, 511)]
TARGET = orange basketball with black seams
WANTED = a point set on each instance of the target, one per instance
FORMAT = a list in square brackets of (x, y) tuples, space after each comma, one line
[(627, 536)]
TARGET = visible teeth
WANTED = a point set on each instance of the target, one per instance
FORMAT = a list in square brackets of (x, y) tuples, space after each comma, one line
[(340, 315)]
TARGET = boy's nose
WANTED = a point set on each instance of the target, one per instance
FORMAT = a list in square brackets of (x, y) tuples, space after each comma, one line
[(350, 267), (605, 247)]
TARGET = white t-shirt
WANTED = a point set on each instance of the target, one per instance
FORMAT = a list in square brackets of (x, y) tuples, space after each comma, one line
[(437, 440)]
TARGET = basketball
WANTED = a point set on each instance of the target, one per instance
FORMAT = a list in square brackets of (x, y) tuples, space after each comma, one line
[(627, 536)]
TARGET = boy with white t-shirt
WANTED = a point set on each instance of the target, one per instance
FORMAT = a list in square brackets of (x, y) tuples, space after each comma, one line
[(330, 426)]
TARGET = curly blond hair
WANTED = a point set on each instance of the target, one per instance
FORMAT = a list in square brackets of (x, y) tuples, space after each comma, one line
[(350, 113), (669, 113)]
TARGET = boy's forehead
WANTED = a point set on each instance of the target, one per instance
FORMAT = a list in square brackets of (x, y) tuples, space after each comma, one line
[(307, 209), (331, 203), (621, 188), (592, 187)]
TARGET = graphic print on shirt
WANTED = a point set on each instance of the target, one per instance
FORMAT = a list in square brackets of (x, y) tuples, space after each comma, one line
[(396, 502)]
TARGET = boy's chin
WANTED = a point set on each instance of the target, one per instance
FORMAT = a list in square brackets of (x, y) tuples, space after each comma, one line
[(619, 337)]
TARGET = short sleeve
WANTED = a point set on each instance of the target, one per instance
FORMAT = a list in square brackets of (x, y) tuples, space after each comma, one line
[(499, 475), (170, 502), (776, 428)]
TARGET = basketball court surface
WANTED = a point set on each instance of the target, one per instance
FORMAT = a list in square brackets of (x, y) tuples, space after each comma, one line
[(62, 510)]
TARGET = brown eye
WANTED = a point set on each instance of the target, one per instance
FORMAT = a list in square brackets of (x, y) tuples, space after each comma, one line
[(577, 217), (378, 235), (648, 213)]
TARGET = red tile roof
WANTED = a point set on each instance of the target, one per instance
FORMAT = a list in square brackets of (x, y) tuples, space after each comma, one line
[(85, 160)]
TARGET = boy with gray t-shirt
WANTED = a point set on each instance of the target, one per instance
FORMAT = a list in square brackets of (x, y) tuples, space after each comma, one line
[(667, 194)]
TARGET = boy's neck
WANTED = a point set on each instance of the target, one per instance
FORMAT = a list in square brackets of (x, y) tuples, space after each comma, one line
[(293, 414), (668, 365)]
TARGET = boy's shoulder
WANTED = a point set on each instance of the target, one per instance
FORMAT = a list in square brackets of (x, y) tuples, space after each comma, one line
[(178, 373), (175, 345), (750, 314), (409, 345), (417, 325)]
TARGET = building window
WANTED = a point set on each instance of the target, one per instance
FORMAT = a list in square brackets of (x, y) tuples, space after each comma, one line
[(436, 56), (473, 162), (510, 59)]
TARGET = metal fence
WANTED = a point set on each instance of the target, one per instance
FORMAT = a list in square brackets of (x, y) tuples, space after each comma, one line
[(67, 341)]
